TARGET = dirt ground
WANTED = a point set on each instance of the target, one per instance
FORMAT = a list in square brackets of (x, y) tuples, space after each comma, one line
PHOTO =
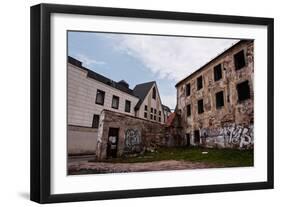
[(84, 167)]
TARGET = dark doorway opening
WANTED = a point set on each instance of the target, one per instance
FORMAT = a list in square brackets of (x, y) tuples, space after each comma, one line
[(196, 136), (112, 142), (187, 140)]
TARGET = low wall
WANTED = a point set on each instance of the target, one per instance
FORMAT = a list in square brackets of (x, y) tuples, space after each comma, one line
[(81, 140), (134, 135)]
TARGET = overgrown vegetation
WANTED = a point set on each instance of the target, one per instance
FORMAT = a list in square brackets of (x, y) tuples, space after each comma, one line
[(221, 157)]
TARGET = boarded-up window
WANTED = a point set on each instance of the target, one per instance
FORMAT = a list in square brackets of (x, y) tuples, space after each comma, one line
[(243, 91), (217, 72), (239, 60), (96, 119), (187, 89), (100, 97), (115, 102), (188, 110), (219, 99), (127, 106), (199, 82), (200, 106)]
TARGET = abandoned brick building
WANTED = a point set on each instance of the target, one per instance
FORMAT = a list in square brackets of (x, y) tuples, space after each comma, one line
[(216, 102)]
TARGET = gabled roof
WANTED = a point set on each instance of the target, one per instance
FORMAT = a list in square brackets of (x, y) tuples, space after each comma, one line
[(141, 90), (166, 108), (91, 74)]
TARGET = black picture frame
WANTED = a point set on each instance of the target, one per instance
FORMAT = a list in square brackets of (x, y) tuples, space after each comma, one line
[(41, 98)]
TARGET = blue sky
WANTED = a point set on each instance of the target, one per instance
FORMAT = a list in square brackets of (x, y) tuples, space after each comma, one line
[(143, 58)]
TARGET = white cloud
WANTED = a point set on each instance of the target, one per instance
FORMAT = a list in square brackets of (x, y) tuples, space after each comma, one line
[(171, 57), (87, 61), (169, 100)]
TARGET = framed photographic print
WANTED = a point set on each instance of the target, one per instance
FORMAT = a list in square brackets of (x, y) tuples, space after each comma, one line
[(132, 103)]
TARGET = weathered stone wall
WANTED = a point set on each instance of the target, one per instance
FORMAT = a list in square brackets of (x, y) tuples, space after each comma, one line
[(238, 114), (135, 135)]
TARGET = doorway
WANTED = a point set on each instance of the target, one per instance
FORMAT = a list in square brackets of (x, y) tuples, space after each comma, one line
[(112, 142), (187, 140), (196, 137)]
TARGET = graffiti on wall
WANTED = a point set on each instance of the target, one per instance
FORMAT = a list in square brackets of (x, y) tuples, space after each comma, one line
[(232, 135), (132, 140)]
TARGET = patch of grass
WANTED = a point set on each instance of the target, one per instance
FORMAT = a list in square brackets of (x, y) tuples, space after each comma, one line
[(221, 157)]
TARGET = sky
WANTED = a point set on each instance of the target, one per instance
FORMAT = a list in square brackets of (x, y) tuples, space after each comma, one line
[(143, 58)]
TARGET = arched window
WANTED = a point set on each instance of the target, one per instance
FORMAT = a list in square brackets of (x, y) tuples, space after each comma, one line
[(154, 93)]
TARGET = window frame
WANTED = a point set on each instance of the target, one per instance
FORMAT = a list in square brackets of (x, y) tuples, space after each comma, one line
[(197, 82), (127, 101), (98, 92), (235, 56), (118, 100)]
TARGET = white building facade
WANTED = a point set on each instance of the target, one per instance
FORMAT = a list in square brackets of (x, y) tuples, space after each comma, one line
[(88, 93)]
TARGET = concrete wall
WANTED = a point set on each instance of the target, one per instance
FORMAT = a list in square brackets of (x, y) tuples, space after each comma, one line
[(233, 112), (81, 140), (135, 134)]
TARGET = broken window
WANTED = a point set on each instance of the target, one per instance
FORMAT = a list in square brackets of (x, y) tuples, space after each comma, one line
[(188, 110), (200, 106), (187, 89), (154, 93), (243, 91), (196, 136), (217, 72), (127, 106), (96, 119), (219, 99), (199, 83), (115, 102), (239, 60), (100, 97)]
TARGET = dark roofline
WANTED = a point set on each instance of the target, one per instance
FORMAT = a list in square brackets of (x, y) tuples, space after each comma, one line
[(212, 60), (101, 78)]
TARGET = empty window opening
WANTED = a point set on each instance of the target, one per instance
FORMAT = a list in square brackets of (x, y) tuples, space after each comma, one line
[(200, 106), (219, 99), (217, 72), (187, 89), (243, 91), (199, 83), (154, 93), (239, 60), (96, 119), (188, 110)]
